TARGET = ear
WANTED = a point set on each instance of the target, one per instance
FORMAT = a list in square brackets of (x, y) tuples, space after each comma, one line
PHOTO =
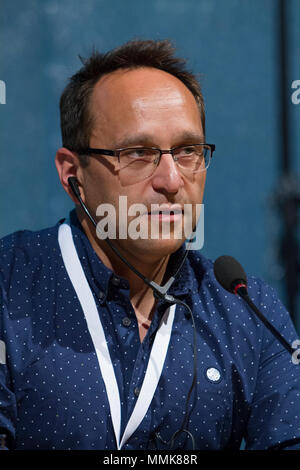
[(67, 164)]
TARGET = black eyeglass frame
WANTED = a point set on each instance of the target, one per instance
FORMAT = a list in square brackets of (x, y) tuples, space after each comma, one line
[(116, 152)]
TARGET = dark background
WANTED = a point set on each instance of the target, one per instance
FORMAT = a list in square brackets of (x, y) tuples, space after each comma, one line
[(234, 46)]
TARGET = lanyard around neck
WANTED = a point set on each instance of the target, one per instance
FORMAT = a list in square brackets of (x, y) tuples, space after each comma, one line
[(158, 352)]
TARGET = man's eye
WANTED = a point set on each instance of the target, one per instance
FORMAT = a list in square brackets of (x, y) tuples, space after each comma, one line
[(186, 151), (140, 152), (137, 153)]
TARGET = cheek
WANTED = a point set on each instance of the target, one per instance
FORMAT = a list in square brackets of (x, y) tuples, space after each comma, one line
[(195, 188), (100, 187), (202, 186), (194, 194)]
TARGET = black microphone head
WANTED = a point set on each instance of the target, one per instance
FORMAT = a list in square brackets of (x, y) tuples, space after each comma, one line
[(228, 271)]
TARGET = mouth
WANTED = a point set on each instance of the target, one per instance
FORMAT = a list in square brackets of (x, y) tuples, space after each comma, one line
[(167, 213)]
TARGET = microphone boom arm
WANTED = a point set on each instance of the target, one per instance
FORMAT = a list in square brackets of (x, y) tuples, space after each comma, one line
[(242, 292)]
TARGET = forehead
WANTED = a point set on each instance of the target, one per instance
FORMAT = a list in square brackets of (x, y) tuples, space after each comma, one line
[(139, 82), (131, 97)]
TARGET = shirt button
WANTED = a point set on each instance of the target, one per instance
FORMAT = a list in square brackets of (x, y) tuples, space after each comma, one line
[(101, 295), (115, 281), (136, 391), (126, 321)]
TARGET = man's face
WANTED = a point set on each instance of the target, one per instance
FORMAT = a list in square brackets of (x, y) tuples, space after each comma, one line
[(145, 107)]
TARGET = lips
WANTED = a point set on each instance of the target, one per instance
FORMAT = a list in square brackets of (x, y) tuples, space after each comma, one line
[(166, 210), (166, 213)]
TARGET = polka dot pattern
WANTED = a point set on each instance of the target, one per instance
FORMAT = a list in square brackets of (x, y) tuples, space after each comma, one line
[(52, 395)]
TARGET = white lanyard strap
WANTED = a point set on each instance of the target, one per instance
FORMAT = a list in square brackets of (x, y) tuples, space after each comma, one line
[(158, 352), (153, 373), (87, 301)]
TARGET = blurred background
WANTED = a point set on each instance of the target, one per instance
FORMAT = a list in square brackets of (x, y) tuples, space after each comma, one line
[(247, 56)]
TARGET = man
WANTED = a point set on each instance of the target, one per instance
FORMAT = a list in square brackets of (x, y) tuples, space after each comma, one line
[(92, 357)]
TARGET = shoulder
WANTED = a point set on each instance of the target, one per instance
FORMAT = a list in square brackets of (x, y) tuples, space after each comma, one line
[(261, 293), (25, 249), (203, 270), (28, 241)]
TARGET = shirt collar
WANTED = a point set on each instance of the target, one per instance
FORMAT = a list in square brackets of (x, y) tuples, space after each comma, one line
[(98, 275), (101, 278)]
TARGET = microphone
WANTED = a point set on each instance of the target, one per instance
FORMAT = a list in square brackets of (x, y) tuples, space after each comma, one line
[(232, 277)]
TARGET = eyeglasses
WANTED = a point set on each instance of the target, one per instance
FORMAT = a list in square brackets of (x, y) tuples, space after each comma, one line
[(138, 163)]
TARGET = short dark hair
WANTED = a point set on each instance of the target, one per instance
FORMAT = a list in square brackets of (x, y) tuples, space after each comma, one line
[(75, 117)]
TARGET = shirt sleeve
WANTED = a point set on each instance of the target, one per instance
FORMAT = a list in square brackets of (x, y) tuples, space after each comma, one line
[(7, 397), (274, 419)]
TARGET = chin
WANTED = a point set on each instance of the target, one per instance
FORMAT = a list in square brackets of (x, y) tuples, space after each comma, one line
[(151, 249)]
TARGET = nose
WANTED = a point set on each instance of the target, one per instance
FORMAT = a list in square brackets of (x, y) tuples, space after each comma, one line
[(167, 176)]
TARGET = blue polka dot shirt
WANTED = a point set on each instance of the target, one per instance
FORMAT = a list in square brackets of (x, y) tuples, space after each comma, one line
[(52, 394)]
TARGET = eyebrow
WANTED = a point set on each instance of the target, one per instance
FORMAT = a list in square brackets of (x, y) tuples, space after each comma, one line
[(148, 140)]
